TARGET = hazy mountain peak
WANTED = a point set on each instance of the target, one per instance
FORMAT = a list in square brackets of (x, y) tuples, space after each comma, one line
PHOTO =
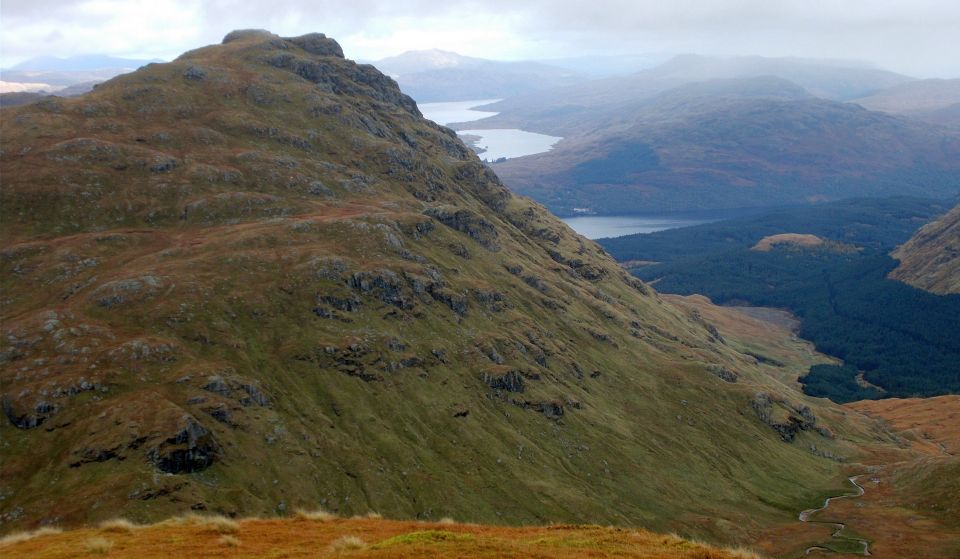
[(413, 61)]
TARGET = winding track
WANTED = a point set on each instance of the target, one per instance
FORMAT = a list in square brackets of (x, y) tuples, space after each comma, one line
[(805, 517)]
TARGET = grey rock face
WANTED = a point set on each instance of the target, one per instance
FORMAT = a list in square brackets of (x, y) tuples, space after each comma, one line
[(191, 449), (465, 221), (195, 73), (510, 382), (318, 43)]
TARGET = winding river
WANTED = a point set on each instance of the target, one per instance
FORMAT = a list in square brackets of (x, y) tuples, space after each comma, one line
[(839, 526)]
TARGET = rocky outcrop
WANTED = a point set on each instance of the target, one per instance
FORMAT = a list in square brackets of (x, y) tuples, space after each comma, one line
[(243, 34), (325, 66), (318, 44), (247, 393), (466, 221), (723, 373), (511, 381), (114, 293), (191, 449), (791, 419), (32, 418)]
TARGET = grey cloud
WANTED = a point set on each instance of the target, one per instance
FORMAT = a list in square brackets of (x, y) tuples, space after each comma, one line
[(915, 37)]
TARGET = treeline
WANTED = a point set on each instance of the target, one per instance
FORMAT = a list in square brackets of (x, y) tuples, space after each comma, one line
[(873, 223), (903, 339)]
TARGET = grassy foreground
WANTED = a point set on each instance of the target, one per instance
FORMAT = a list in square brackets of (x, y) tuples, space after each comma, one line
[(317, 534)]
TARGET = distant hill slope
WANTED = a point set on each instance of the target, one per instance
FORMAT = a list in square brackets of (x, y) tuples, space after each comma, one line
[(936, 101), (435, 75), (830, 79), (931, 259), (731, 143), (932, 424), (255, 278), (23, 97), (15, 98)]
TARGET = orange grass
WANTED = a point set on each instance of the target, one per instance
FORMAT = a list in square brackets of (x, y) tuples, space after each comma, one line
[(381, 538), (927, 422)]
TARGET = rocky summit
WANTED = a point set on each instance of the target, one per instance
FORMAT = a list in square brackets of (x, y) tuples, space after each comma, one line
[(255, 278)]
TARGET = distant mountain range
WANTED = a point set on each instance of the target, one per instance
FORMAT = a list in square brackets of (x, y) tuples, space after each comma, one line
[(700, 133), (436, 75), (79, 63), (64, 76), (734, 143), (827, 79)]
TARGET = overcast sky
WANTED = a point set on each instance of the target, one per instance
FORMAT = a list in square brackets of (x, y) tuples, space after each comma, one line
[(917, 37)]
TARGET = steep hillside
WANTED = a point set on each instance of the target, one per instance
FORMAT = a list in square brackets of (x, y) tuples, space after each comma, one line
[(255, 278), (728, 144), (931, 259)]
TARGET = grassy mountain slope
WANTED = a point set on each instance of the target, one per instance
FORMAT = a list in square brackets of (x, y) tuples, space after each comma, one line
[(931, 259), (255, 278), (736, 143)]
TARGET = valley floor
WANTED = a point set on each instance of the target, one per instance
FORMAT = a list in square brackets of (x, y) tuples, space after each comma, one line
[(910, 506), (886, 516)]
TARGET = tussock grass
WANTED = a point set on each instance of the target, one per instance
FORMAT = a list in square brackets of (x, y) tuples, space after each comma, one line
[(316, 515), (216, 522), (118, 525), (98, 546), (18, 537), (743, 553), (229, 541), (703, 551), (221, 524), (347, 543)]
